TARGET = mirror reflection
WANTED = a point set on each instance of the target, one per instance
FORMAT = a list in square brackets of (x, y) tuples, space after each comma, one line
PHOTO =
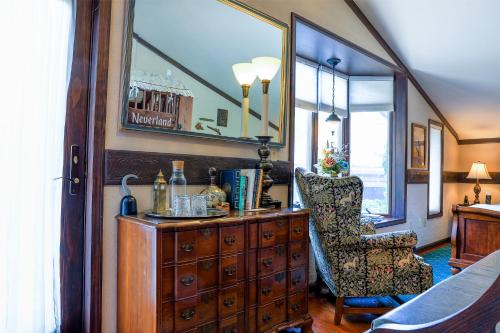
[(204, 68)]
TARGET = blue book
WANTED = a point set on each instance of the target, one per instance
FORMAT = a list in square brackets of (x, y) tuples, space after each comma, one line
[(230, 183)]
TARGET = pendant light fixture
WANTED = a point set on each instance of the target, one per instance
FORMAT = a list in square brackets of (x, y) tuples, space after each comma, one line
[(333, 117)]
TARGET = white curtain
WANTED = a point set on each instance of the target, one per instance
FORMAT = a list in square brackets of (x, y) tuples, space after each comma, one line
[(37, 43)]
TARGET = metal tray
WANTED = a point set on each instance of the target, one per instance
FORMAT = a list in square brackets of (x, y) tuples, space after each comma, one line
[(168, 215)]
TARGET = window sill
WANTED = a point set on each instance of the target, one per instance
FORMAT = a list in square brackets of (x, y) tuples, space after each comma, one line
[(389, 221)]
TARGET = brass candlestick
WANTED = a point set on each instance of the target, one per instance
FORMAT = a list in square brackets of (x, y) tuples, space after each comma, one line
[(266, 165)]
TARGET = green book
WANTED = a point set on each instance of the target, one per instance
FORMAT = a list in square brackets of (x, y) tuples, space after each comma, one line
[(243, 192)]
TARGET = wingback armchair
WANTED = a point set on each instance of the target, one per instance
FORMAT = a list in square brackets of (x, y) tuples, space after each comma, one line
[(351, 259)]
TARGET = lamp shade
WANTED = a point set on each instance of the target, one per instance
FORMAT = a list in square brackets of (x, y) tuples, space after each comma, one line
[(266, 67), (478, 170), (244, 73)]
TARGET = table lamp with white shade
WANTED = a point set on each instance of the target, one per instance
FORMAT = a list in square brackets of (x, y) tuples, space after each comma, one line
[(478, 171), (245, 74), (266, 68)]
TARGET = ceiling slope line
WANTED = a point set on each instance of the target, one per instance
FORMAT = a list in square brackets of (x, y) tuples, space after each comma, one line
[(362, 17), (478, 141)]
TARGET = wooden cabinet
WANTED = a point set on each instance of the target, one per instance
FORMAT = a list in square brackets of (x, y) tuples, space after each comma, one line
[(243, 273)]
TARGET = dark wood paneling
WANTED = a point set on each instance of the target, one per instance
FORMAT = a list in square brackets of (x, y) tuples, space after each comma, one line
[(195, 76), (359, 13), (460, 177), (101, 18), (146, 166), (478, 141), (417, 176)]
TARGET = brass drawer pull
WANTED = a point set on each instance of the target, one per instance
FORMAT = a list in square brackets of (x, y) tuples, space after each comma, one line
[(187, 314), (187, 280), (296, 255), (297, 230), (230, 270), (206, 265), (266, 291), (267, 262), (267, 317), (297, 280), (229, 302), (206, 232), (295, 307), (268, 235), (230, 240), (187, 246), (231, 329)]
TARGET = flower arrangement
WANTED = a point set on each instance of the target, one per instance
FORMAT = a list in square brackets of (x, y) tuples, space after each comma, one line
[(334, 161)]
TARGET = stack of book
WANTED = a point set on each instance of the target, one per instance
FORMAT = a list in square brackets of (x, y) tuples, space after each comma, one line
[(243, 187)]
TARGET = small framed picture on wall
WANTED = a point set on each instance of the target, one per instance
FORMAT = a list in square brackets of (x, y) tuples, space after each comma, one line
[(418, 146)]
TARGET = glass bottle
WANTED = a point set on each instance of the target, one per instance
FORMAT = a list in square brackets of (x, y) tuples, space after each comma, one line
[(177, 182), (215, 195)]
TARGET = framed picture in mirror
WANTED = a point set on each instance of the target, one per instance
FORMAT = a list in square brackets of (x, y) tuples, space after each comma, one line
[(177, 70)]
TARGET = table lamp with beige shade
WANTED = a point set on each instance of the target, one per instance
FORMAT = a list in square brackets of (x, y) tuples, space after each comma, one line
[(478, 171)]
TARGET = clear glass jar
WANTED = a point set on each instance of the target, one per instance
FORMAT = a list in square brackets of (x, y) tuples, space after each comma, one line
[(177, 182)]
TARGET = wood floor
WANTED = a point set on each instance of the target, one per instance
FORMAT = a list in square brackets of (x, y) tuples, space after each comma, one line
[(322, 313)]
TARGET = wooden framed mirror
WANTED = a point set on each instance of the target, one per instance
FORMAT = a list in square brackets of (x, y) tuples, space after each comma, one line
[(177, 69)]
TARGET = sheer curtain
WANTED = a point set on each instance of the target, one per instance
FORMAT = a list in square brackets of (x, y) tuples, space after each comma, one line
[(37, 43)]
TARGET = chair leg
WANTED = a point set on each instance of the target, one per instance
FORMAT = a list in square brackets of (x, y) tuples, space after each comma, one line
[(339, 309)]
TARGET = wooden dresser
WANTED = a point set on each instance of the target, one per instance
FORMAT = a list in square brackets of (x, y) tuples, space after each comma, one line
[(241, 273)]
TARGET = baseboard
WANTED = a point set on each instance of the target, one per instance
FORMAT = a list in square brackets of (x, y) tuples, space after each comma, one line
[(433, 244)]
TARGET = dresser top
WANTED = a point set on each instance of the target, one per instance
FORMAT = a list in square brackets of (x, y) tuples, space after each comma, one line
[(234, 217)]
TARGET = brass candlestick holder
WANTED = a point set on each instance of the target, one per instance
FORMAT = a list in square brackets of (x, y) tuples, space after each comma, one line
[(266, 165)]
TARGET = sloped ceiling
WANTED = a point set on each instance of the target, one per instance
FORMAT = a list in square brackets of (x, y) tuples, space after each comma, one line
[(452, 47)]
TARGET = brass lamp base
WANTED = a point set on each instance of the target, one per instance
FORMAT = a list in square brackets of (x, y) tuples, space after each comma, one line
[(477, 190)]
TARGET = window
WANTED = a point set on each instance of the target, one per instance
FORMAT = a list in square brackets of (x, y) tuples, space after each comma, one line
[(373, 128), (371, 108), (435, 189)]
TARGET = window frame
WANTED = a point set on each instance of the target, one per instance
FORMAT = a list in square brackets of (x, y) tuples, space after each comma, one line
[(439, 124)]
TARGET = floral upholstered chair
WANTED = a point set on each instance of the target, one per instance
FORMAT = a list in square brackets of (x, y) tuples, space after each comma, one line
[(352, 260)]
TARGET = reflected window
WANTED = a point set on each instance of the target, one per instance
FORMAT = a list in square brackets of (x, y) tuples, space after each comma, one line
[(435, 205)]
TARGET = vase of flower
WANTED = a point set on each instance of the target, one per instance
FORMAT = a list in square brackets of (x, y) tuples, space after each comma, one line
[(333, 162)]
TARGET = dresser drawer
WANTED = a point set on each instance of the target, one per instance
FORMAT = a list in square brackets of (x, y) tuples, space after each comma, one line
[(208, 273), (297, 254), (271, 287), (207, 306), (274, 232), (272, 314), (186, 281), (167, 317), (167, 247), (231, 300), (233, 324), (185, 245), (296, 279), (232, 239), (208, 328), (272, 259), (167, 283), (206, 242), (298, 229), (186, 316), (296, 305)]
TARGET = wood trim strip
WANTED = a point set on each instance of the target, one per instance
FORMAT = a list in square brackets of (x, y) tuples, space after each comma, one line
[(93, 260), (198, 78), (478, 141), (145, 165), (416, 176), (361, 16)]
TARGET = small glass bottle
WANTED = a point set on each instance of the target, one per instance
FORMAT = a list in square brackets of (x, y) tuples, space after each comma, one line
[(177, 182)]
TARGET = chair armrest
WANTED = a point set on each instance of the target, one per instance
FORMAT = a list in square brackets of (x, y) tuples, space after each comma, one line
[(367, 226), (390, 240)]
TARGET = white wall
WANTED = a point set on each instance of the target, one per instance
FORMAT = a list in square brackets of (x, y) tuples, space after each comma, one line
[(333, 15)]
